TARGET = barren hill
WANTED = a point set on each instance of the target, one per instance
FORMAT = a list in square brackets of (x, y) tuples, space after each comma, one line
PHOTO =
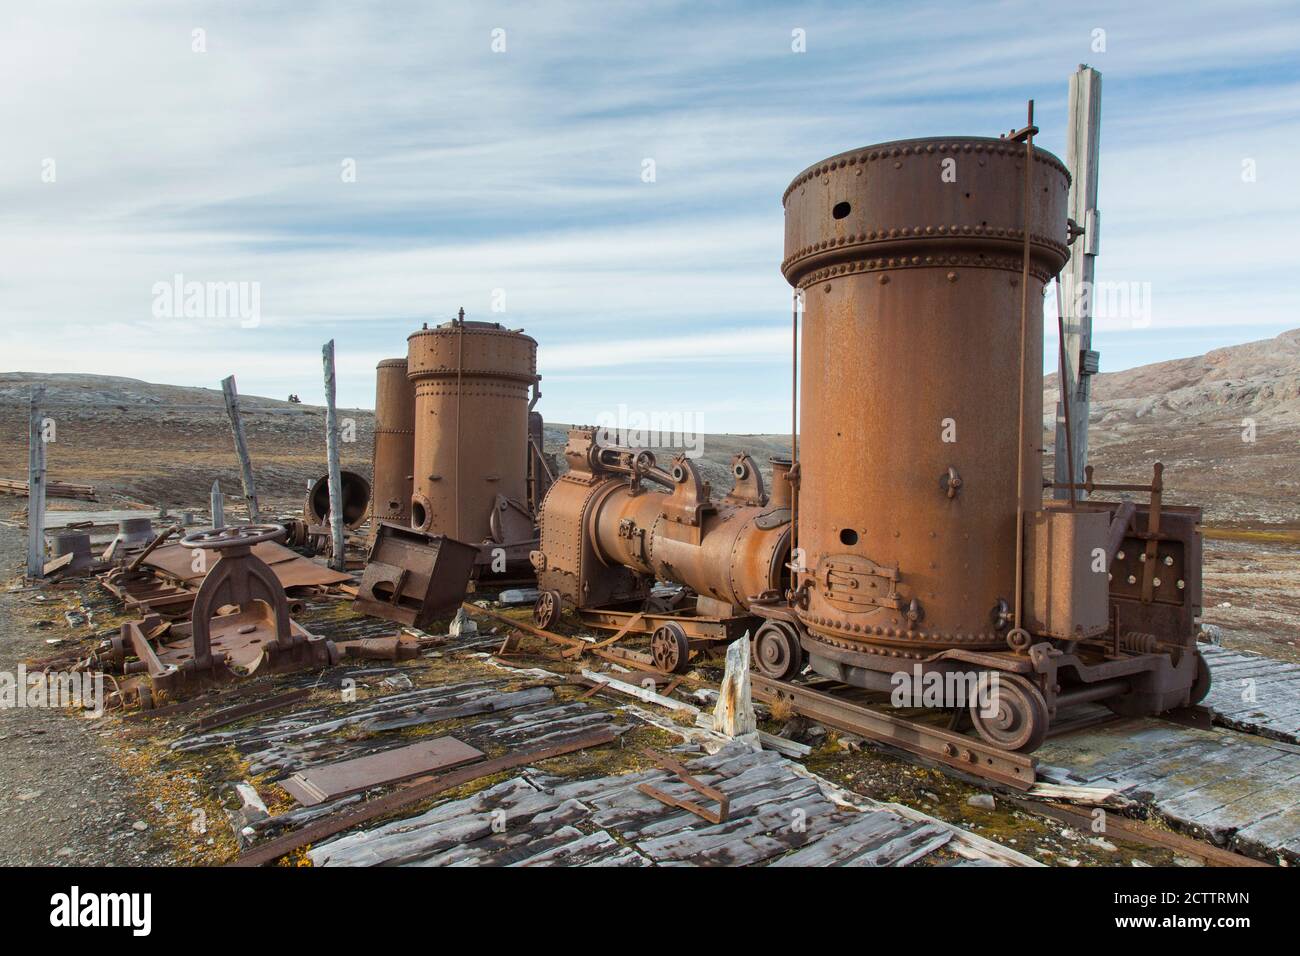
[(164, 444), (1225, 424)]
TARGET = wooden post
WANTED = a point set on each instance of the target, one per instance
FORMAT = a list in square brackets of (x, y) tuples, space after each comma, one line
[(241, 445), (218, 506), (338, 560), (734, 713), (1082, 151), (36, 484)]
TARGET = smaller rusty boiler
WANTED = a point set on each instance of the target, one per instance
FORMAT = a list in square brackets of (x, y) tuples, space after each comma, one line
[(472, 384), (394, 453), (616, 522)]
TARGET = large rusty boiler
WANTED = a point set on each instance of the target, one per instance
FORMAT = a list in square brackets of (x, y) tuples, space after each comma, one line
[(394, 453), (616, 522), (910, 416), (920, 448), (472, 385)]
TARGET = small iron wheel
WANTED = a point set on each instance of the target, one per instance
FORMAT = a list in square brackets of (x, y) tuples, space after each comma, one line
[(776, 650), (546, 612), (670, 649), (1020, 716), (1201, 685)]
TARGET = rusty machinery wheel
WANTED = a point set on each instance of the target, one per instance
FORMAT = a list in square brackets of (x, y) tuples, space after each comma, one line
[(547, 610), (776, 650), (1201, 685), (670, 649), (236, 536), (1021, 718)]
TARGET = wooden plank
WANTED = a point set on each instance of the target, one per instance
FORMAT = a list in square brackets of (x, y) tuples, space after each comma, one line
[(231, 396), (338, 554), (906, 848), (640, 693), (858, 835), (217, 505), (232, 714), (36, 482)]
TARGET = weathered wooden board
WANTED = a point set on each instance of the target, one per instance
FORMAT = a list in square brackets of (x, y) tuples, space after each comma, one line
[(1257, 694), (779, 815), (1239, 790)]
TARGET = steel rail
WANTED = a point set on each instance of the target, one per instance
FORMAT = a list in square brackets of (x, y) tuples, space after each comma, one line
[(957, 751)]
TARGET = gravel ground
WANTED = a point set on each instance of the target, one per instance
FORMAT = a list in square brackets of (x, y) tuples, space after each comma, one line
[(63, 801)]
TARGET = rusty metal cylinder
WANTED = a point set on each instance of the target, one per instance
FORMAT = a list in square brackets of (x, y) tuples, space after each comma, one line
[(355, 491), (909, 257), (781, 493), (734, 556), (394, 453), (472, 382)]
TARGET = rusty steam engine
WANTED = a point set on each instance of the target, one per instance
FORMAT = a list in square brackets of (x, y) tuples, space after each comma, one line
[(910, 533)]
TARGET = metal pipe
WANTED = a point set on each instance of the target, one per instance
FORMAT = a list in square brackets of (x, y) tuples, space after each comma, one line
[(1024, 321), (793, 474), (1060, 387), (1087, 693)]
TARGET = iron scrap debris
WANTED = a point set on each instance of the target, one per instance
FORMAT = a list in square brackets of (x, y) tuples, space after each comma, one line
[(704, 813), (413, 576), (256, 633)]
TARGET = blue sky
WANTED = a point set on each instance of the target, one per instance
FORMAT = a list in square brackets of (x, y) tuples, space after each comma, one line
[(521, 171)]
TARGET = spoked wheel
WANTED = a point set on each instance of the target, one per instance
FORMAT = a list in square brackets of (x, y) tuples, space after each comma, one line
[(1019, 714), (546, 612), (1201, 685), (776, 650), (670, 649), (237, 536)]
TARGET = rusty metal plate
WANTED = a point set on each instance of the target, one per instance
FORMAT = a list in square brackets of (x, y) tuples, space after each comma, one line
[(291, 569), (319, 784)]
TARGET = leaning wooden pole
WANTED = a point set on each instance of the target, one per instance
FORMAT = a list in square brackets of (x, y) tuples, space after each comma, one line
[(36, 484), (338, 560), (241, 445)]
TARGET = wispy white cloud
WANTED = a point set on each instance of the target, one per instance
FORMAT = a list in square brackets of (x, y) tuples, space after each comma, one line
[(521, 172)]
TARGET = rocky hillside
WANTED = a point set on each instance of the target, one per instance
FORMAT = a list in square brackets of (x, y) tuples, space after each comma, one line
[(164, 444)]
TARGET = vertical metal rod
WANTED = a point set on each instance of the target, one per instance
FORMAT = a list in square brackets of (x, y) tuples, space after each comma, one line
[(1024, 323), (218, 506), (460, 371), (36, 483), (794, 439), (231, 396), (1061, 390), (338, 560)]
